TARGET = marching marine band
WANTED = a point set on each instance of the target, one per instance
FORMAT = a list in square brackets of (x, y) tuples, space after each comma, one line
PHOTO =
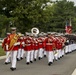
[(35, 46)]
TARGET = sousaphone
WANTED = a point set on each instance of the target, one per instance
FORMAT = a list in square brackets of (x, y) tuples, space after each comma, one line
[(35, 31)]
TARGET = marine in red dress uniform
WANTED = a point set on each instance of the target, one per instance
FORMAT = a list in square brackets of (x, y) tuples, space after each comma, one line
[(4, 46), (49, 49), (59, 46), (32, 48), (28, 47), (40, 44), (44, 44), (36, 47), (12, 45), (20, 48)]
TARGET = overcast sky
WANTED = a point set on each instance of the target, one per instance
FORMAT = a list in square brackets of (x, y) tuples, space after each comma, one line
[(70, 0), (73, 1)]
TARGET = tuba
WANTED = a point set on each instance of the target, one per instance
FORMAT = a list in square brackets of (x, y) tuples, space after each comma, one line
[(35, 31)]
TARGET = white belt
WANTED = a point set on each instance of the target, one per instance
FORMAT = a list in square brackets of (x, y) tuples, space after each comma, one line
[(27, 44), (36, 45), (40, 43), (49, 44)]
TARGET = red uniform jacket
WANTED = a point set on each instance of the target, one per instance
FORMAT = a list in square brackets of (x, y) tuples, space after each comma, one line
[(21, 45), (59, 44), (54, 42), (44, 42), (10, 37), (49, 44), (27, 44), (4, 44), (40, 43), (32, 43), (36, 47)]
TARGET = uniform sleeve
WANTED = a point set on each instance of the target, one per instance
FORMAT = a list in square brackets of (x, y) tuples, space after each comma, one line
[(8, 43), (3, 43), (8, 40)]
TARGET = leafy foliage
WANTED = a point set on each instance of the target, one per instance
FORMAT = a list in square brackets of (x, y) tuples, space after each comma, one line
[(43, 14)]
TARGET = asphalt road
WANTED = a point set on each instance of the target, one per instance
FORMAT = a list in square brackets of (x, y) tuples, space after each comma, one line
[(64, 66)]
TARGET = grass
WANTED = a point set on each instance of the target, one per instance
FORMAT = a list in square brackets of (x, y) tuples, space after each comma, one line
[(2, 52)]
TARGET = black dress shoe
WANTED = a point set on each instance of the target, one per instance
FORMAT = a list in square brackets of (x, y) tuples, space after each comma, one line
[(39, 58), (18, 59), (27, 63), (21, 58), (53, 60), (7, 63), (66, 53), (13, 68), (49, 63), (69, 52), (31, 61), (34, 59), (58, 58), (44, 55), (62, 55)]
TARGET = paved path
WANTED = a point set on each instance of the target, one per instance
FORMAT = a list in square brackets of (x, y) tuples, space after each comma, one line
[(64, 66)]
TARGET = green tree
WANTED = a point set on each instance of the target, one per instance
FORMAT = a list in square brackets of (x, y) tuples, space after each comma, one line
[(47, 15)]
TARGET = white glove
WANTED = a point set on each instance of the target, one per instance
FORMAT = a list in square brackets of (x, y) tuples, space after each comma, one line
[(23, 43), (18, 43), (7, 47)]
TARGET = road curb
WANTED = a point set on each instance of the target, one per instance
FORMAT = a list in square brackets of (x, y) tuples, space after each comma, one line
[(2, 57)]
